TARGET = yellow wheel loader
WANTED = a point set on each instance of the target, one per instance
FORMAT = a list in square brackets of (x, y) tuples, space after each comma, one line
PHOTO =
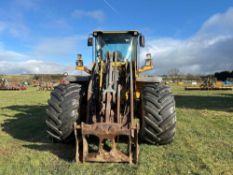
[(115, 106)]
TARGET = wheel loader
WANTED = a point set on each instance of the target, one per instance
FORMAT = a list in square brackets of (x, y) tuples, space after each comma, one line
[(115, 105)]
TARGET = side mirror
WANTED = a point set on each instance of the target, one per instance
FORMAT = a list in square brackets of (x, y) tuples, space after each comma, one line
[(148, 60), (79, 62), (80, 66), (90, 41), (142, 41)]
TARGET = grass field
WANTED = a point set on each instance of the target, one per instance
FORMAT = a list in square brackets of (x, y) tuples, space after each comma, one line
[(203, 143)]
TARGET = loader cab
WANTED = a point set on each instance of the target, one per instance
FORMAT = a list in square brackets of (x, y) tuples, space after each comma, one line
[(125, 44)]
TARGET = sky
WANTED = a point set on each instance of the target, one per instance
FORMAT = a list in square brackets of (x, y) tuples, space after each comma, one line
[(44, 36)]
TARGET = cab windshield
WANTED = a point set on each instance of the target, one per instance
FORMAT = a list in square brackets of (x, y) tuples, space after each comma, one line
[(123, 44)]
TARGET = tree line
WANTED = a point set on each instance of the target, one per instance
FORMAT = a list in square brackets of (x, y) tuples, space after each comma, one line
[(176, 75), (224, 75)]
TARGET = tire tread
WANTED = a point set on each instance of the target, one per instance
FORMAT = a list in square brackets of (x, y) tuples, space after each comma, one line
[(158, 114)]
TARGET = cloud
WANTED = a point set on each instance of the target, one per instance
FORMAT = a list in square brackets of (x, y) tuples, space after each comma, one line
[(8, 55), (208, 51), (11, 56), (16, 29), (58, 24), (220, 23), (26, 4), (2, 26), (33, 67), (95, 14), (12, 18), (57, 47), (12, 62)]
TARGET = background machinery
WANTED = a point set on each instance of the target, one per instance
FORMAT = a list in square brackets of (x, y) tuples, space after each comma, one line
[(5, 85), (209, 84), (115, 104)]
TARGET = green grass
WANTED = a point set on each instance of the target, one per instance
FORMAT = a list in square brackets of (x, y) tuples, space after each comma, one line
[(203, 143)]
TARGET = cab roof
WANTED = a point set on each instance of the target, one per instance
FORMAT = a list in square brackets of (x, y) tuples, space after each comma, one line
[(134, 32)]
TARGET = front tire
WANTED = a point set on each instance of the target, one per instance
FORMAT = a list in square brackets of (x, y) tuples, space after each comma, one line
[(63, 110), (158, 123)]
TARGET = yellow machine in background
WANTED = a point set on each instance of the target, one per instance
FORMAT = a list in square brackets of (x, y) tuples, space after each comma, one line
[(209, 84)]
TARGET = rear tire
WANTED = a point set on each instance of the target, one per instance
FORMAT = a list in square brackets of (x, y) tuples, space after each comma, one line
[(158, 123), (63, 110)]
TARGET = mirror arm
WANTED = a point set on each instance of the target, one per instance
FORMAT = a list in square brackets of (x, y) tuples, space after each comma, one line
[(145, 68), (83, 68)]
